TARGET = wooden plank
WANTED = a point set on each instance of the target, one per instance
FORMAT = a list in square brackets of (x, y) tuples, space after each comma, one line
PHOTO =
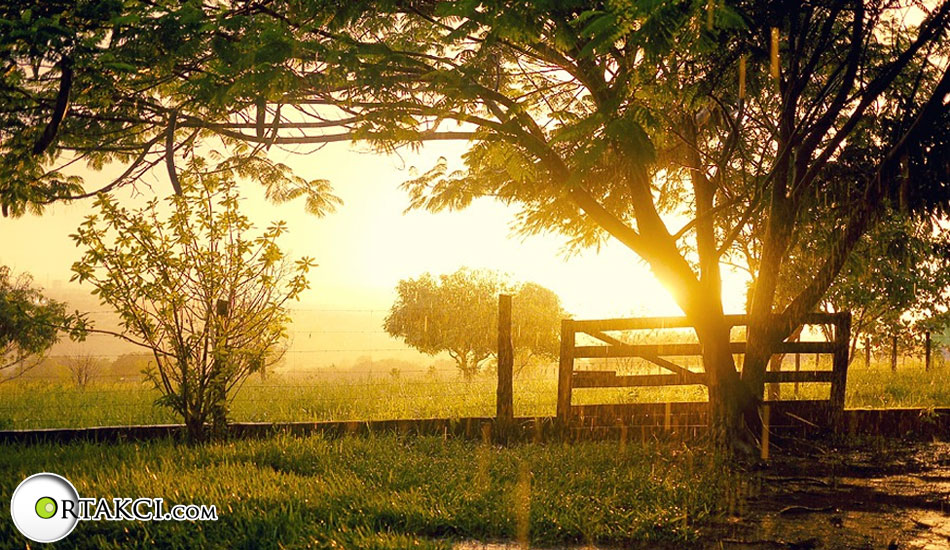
[(609, 379), (805, 347), (778, 377), (644, 323), (565, 370), (638, 350), (646, 351), (504, 394), (653, 358)]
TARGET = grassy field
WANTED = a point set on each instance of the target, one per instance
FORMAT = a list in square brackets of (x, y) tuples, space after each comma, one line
[(382, 492), (323, 396)]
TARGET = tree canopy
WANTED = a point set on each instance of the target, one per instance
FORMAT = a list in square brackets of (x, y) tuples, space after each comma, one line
[(692, 132)]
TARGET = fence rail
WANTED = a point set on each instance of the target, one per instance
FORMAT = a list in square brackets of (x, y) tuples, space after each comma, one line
[(614, 347)]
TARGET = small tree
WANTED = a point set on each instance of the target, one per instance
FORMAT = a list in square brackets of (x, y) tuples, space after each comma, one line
[(83, 369), (458, 314), (195, 289), (30, 324)]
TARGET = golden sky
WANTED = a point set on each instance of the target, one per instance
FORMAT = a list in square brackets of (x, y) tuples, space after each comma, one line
[(369, 244)]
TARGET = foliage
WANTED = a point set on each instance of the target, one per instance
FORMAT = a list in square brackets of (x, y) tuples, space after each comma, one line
[(99, 82), (536, 316), (194, 287), (458, 314), (896, 282), (30, 324)]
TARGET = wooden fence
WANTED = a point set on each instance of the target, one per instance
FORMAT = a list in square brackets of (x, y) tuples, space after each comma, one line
[(658, 354)]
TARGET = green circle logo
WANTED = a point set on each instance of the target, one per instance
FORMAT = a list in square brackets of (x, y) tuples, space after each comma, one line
[(46, 507)]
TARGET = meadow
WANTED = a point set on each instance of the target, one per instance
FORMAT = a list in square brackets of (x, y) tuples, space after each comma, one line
[(326, 395), (383, 492)]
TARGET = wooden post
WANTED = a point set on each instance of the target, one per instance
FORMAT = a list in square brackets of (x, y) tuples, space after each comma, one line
[(927, 350), (839, 366), (504, 410), (798, 368), (894, 353), (775, 390), (486, 433), (765, 432), (867, 352), (565, 374)]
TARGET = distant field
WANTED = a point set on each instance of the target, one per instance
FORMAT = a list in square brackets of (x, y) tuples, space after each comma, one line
[(383, 492), (322, 396)]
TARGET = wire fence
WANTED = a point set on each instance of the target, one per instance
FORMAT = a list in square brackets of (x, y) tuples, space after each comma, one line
[(342, 365)]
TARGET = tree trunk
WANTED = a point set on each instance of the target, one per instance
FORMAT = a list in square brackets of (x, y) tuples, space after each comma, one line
[(867, 353), (733, 411), (195, 430), (466, 366)]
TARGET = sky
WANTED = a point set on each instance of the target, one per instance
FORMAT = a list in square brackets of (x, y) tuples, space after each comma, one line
[(369, 243)]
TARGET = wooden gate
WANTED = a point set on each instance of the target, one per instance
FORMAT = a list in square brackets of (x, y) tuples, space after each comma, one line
[(613, 347)]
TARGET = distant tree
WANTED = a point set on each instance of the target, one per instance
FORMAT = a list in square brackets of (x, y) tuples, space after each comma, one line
[(194, 287), (458, 314), (83, 369), (30, 323), (895, 284), (536, 315)]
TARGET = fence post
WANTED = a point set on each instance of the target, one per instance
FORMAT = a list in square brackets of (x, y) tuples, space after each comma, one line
[(565, 373), (927, 351), (775, 365), (840, 366), (894, 353), (798, 362), (504, 410)]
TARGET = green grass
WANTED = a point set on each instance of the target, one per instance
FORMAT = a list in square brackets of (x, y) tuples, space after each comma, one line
[(381, 492), (320, 396)]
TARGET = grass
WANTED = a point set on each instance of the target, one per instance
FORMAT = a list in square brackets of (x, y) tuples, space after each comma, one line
[(382, 492), (321, 396)]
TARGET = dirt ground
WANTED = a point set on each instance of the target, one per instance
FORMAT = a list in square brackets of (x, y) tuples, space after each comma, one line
[(881, 494)]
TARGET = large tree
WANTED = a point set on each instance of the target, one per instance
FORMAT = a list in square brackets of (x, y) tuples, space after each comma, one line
[(685, 130)]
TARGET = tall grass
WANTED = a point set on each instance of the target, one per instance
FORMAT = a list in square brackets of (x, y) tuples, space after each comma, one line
[(382, 492), (324, 396)]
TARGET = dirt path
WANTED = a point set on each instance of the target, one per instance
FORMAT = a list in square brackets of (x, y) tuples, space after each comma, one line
[(886, 495)]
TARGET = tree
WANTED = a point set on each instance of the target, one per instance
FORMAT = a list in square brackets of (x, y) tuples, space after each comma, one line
[(30, 323), (83, 369), (691, 132), (88, 82), (195, 288), (458, 314), (896, 279), (536, 315)]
